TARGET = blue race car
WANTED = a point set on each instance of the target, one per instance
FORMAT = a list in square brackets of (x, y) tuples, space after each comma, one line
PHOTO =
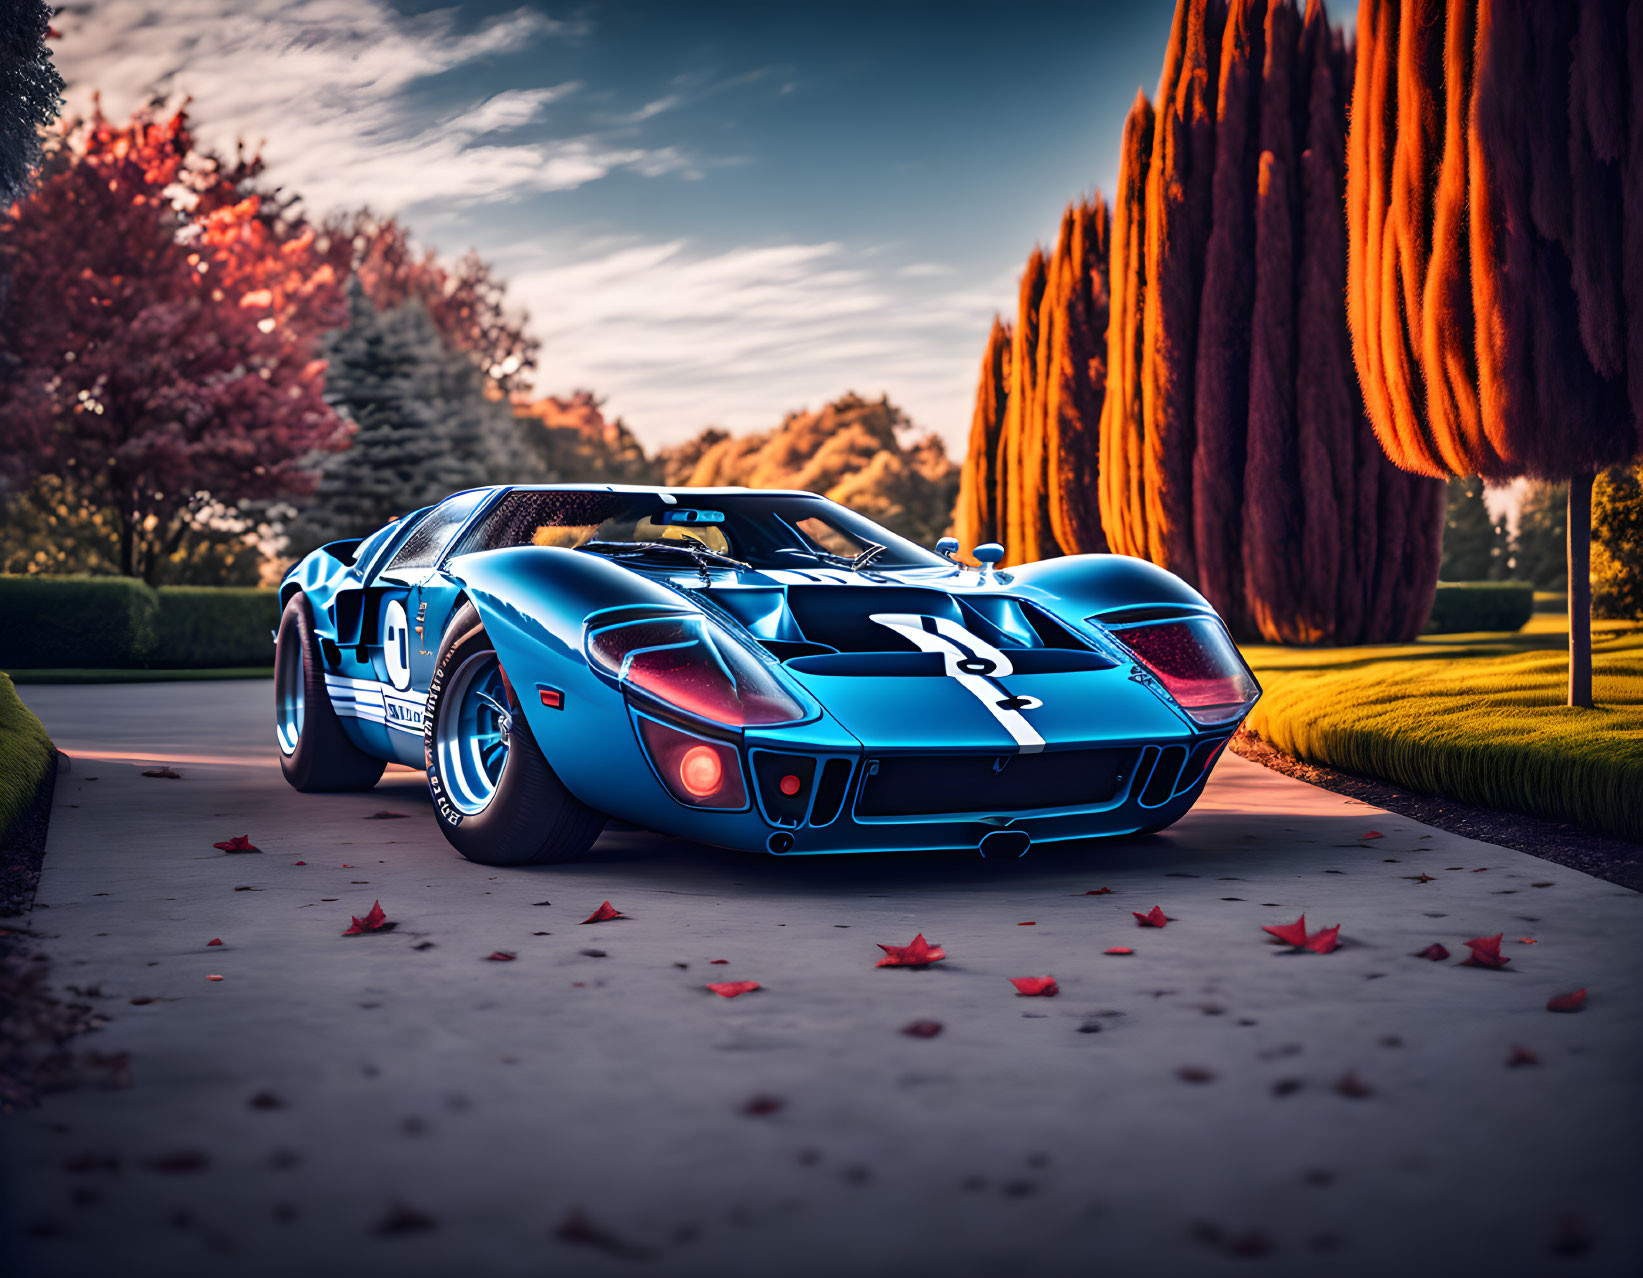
[(754, 669)]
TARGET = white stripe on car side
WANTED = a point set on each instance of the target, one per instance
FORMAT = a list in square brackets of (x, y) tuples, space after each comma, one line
[(974, 663), (372, 701)]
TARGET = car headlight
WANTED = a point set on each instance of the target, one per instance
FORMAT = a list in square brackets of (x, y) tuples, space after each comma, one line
[(688, 663), (1198, 664)]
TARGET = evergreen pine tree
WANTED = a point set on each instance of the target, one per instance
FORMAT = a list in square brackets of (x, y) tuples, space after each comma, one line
[(423, 425), (1542, 556), (30, 90), (1468, 532)]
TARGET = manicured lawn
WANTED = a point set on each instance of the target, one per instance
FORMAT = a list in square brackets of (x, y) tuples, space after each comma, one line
[(26, 755), (1474, 717), (82, 675)]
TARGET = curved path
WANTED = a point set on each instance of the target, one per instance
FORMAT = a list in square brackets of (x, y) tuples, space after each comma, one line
[(398, 1102)]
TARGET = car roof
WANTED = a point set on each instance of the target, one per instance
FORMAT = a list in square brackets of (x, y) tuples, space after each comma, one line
[(658, 490)]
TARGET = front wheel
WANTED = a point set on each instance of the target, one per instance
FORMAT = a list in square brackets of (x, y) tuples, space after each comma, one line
[(497, 800)]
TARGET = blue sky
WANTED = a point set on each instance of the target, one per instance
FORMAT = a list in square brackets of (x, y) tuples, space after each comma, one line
[(715, 213)]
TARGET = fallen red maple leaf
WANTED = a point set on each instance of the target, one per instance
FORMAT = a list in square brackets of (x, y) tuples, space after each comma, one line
[(1289, 933), (731, 989), (1571, 1002), (1435, 952), (1527, 940), (604, 913), (239, 843), (302, 863), (1119, 949), (1100, 892), (1326, 941), (1034, 986), (500, 956), (713, 962), (1485, 952), (213, 977), (1154, 917), (1373, 834), (374, 921), (216, 940), (919, 953)]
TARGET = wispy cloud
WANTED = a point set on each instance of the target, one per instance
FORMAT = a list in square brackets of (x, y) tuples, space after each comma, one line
[(326, 81), (679, 339)]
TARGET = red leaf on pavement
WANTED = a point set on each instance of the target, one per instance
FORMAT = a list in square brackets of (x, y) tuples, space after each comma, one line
[(1571, 1002), (1326, 941), (712, 962), (216, 940), (1154, 917), (1289, 933), (302, 863), (213, 977), (922, 1029), (1100, 892), (1527, 940), (731, 989), (168, 773), (1485, 952), (1119, 949), (920, 953), (1422, 877), (374, 921), (1372, 834), (1029, 923), (1435, 952), (604, 913), (500, 956), (1522, 1056), (239, 843), (1035, 986)]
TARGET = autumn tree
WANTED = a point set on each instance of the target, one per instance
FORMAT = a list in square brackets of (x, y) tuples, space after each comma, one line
[(1234, 449), (1495, 219), (856, 451), (30, 92), (1617, 544), (153, 373), (975, 518)]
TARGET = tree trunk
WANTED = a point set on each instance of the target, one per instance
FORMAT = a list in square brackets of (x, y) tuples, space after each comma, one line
[(1579, 525)]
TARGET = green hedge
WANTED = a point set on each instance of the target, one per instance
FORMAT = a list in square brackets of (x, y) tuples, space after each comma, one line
[(1461, 607), (26, 755), (215, 626), (121, 623), (76, 621)]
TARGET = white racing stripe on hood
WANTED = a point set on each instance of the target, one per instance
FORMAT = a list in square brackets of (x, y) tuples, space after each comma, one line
[(973, 662)]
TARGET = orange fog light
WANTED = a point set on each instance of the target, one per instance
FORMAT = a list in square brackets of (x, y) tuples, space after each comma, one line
[(700, 772)]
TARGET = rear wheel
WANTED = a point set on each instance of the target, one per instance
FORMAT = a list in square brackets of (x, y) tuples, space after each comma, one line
[(315, 753), (497, 800)]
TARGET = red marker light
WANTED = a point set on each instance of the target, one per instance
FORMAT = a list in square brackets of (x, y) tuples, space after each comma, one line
[(552, 698), (700, 771), (790, 784)]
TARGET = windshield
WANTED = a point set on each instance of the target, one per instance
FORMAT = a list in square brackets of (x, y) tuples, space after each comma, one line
[(762, 530)]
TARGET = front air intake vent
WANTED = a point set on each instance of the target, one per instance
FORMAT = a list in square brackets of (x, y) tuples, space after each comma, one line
[(1162, 782), (830, 791)]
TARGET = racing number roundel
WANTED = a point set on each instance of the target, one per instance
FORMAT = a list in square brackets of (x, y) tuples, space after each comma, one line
[(396, 645)]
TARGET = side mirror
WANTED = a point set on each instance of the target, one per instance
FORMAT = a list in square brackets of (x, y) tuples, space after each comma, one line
[(988, 554), (947, 547)]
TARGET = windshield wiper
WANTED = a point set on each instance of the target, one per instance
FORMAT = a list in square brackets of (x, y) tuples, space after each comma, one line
[(690, 548), (873, 551)]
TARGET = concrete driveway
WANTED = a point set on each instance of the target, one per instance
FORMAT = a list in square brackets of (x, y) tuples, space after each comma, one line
[(400, 1103)]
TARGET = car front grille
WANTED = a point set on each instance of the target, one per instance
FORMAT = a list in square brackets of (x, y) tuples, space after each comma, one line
[(933, 784)]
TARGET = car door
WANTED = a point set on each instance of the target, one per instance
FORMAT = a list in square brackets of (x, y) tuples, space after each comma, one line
[(396, 631)]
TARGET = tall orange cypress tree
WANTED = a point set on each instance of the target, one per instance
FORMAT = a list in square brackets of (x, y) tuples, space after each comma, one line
[(1075, 387), (975, 520), (1123, 517), (1018, 412), (1495, 166)]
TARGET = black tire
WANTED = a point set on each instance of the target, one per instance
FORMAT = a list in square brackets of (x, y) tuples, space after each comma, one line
[(325, 760), (531, 818)]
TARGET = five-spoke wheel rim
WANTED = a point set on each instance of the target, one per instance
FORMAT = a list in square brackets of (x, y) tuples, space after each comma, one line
[(289, 697), (471, 737)]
